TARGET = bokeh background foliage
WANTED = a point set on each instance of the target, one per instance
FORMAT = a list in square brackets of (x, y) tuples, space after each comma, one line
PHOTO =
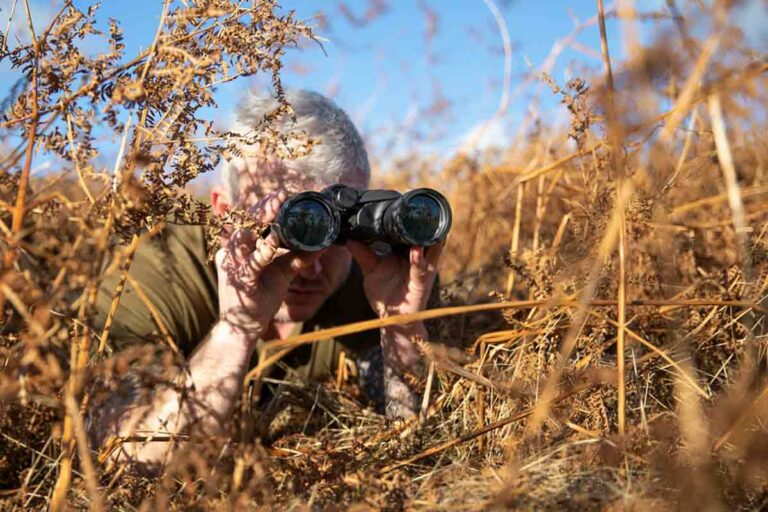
[(606, 274)]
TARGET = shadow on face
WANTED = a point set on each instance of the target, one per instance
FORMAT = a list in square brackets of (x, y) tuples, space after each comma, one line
[(312, 286), (259, 177)]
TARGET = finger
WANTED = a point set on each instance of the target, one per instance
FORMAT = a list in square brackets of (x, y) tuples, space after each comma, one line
[(226, 234), (433, 253), (241, 244), (364, 256), (225, 265), (273, 206), (417, 272), (265, 253), (267, 208), (259, 210), (423, 261), (273, 240), (416, 257)]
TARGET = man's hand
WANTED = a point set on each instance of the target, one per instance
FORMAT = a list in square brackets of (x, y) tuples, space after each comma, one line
[(254, 273), (254, 276), (394, 286)]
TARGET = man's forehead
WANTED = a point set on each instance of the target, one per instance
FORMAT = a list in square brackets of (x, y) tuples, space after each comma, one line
[(260, 178)]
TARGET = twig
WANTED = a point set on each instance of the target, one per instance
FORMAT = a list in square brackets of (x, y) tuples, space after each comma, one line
[(427, 393), (21, 195), (23, 310), (479, 432), (683, 153), (614, 132), (8, 27), (688, 97), (606, 247), (740, 419), (614, 226), (659, 352), (553, 166), (153, 312), (713, 200), (283, 347), (118, 292), (515, 237), (735, 201), (91, 482), (76, 163)]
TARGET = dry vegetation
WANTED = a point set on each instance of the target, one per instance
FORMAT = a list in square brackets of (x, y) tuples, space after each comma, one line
[(606, 284)]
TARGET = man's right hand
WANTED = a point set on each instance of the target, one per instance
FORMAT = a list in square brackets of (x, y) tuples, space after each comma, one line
[(254, 273)]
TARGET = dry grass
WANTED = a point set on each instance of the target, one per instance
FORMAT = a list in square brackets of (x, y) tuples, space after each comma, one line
[(636, 238)]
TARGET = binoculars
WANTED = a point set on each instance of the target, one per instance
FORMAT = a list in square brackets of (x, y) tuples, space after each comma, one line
[(312, 221)]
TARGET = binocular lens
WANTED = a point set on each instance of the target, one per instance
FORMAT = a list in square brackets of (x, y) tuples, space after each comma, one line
[(308, 222), (421, 218), (312, 221)]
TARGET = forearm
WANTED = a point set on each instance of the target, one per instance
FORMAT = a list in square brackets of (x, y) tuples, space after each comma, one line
[(401, 356), (204, 399), (398, 346)]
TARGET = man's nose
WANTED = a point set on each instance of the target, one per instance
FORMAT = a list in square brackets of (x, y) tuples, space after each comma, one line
[(311, 271)]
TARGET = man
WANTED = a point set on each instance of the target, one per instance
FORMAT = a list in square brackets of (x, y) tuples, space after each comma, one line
[(257, 290)]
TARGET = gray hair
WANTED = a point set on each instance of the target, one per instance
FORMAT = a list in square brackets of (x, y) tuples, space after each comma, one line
[(340, 154)]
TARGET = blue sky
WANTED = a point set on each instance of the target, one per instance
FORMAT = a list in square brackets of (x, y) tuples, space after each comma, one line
[(387, 73)]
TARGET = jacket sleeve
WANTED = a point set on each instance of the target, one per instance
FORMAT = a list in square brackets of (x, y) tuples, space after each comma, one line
[(176, 293)]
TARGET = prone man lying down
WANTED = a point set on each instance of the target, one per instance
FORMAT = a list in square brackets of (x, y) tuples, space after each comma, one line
[(257, 289)]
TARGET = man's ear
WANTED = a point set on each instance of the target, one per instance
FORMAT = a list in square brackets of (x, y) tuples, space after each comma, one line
[(219, 200)]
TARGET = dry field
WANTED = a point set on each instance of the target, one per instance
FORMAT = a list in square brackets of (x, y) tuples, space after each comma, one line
[(602, 343)]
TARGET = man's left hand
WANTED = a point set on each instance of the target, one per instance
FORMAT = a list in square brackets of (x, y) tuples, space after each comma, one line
[(394, 286)]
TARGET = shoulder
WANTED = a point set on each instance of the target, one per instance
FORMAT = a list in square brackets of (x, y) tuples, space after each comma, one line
[(171, 283), (175, 238), (178, 254)]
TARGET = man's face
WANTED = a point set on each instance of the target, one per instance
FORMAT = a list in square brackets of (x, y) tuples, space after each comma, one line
[(314, 285)]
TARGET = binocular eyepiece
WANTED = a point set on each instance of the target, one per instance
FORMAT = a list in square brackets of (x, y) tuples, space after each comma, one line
[(311, 221)]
